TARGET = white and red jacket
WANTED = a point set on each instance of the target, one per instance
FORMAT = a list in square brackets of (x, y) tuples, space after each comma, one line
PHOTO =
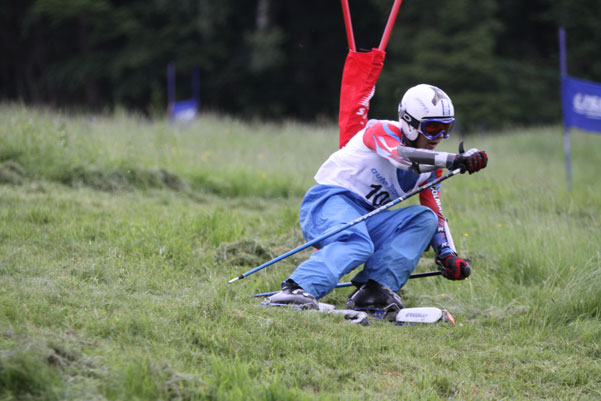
[(370, 166)]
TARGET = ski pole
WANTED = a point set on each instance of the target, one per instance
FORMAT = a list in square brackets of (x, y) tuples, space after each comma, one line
[(348, 225), (341, 285)]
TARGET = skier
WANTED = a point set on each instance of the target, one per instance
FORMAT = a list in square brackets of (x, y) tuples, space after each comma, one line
[(382, 161)]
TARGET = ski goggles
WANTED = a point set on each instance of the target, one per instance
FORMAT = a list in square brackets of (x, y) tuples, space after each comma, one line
[(434, 128), (431, 128)]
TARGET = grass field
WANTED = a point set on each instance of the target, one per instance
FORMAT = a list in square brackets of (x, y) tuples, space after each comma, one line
[(118, 236)]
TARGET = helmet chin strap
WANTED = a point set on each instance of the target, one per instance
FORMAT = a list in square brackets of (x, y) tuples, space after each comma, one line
[(405, 139), (407, 131)]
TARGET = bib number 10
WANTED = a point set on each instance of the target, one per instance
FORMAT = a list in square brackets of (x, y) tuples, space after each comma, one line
[(379, 197)]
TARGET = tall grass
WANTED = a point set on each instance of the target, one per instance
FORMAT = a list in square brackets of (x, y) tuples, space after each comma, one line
[(118, 236), (215, 154)]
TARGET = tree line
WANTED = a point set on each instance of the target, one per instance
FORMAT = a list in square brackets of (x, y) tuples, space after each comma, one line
[(270, 59)]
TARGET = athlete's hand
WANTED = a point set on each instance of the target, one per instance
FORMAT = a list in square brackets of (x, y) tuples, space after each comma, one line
[(470, 161), (454, 268)]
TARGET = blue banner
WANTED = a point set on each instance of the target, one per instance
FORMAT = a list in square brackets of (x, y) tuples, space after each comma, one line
[(581, 102), (184, 110)]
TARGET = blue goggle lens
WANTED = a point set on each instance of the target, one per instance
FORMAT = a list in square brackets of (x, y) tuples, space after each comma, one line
[(434, 128)]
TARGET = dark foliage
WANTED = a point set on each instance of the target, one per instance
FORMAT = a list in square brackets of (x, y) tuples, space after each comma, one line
[(498, 60)]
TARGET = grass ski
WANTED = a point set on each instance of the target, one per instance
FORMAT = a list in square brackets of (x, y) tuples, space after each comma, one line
[(352, 316), (406, 316), (424, 315)]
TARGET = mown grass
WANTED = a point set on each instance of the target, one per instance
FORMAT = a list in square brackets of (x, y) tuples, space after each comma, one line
[(118, 236)]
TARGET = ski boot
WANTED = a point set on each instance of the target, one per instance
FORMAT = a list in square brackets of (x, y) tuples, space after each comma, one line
[(373, 297), (292, 295)]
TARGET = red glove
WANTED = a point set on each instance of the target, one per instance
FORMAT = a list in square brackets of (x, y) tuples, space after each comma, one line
[(454, 268), (470, 161)]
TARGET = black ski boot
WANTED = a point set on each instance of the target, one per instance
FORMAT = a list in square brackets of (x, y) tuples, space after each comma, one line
[(377, 299), (292, 294)]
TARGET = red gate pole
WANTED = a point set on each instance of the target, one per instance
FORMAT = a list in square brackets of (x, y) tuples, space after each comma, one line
[(389, 24), (348, 25)]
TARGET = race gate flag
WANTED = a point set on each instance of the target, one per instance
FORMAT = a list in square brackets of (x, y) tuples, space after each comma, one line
[(581, 103)]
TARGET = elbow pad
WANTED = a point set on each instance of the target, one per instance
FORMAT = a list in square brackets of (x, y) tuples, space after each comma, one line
[(425, 156)]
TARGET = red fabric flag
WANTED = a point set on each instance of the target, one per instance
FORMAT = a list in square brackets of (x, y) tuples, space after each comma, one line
[(361, 72)]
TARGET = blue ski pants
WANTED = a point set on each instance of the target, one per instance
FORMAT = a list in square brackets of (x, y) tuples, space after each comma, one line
[(389, 243)]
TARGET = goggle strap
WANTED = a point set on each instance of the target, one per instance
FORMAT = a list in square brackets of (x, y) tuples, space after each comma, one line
[(412, 121)]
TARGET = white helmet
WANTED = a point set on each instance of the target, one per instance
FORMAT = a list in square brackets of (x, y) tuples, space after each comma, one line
[(426, 109)]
